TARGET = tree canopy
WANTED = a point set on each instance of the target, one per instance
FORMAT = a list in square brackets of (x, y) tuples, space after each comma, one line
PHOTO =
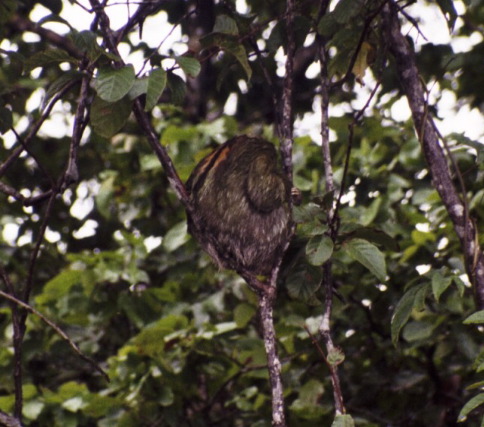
[(110, 312)]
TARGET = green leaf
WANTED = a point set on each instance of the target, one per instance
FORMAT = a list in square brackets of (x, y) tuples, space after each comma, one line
[(346, 10), (86, 42), (48, 57), (307, 404), (439, 284), (112, 85), (477, 317), (403, 310), (190, 66), (177, 87), (417, 331), (176, 236), (243, 314), (156, 85), (140, 87), (302, 283), (225, 24), (472, 404), (59, 286), (345, 420), (229, 43), (107, 118), (367, 254), (319, 249)]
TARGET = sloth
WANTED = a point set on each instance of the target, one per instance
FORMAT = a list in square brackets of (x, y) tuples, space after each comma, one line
[(241, 210)]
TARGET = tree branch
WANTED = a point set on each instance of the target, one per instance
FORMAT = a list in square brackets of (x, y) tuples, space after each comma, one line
[(464, 226)]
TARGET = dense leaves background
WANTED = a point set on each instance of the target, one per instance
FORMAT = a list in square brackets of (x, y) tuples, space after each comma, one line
[(118, 273)]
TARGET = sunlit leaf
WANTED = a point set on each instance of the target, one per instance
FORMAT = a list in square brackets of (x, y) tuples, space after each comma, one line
[(343, 420), (472, 404), (113, 84), (176, 236), (477, 317)]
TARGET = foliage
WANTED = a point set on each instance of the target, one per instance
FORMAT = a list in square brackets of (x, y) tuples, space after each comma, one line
[(117, 271)]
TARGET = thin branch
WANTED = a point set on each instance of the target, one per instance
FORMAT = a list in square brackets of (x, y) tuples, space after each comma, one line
[(57, 329), (34, 128)]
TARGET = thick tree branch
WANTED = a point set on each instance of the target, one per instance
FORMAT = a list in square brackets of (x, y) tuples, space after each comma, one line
[(435, 157)]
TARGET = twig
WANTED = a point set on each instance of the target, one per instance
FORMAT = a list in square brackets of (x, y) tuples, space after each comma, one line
[(58, 330)]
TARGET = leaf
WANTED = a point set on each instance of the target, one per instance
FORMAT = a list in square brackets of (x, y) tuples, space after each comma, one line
[(417, 331), (156, 85), (302, 283), (346, 10), (403, 310), (229, 43), (439, 284), (86, 42), (59, 286), (243, 314), (345, 420), (472, 404), (176, 236), (364, 59), (107, 118), (177, 87), (60, 83), (112, 85), (190, 66), (48, 57), (477, 317), (225, 24), (368, 255), (319, 249)]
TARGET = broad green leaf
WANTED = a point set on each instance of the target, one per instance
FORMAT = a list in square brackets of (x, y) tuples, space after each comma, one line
[(472, 404), (59, 286), (303, 282), (150, 340), (32, 409), (346, 10), (190, 66), (319, 249), (439, 284), (229, 43), (177, 87), (307, 213), (307, 405), (477, 317), (403, 310), (48, 57), (372, 211), (156, 85), (86, 42), (345, 420), (113, 84), (107, 118), (140, 87), (176, 236), (417, 331), (367, 254), (225, 24), (335, 356), (243, 314)]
